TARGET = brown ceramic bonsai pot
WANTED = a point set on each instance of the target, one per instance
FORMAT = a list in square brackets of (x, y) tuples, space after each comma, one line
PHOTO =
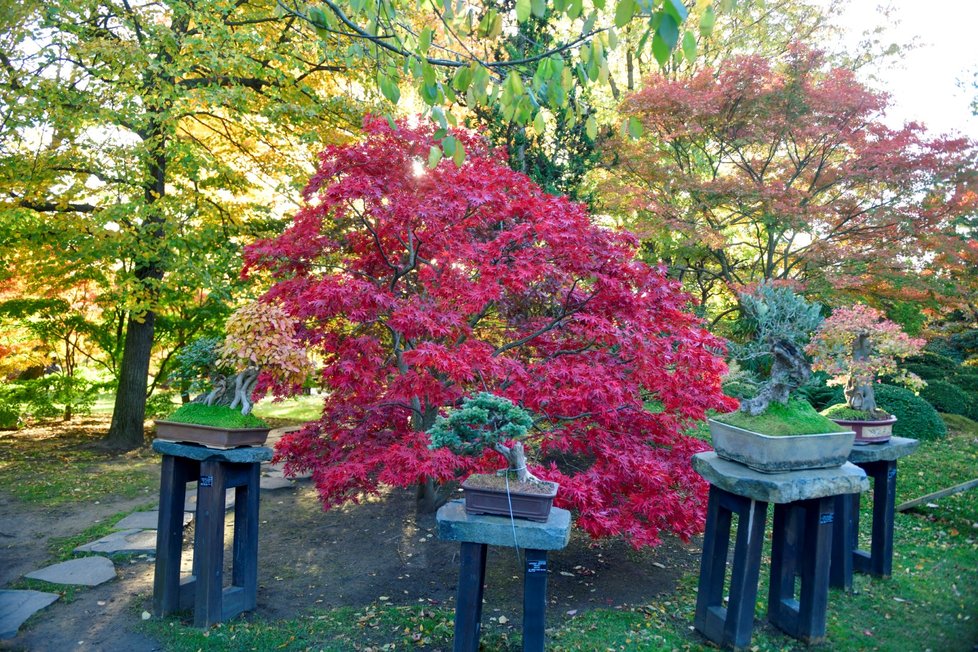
[(487, 494), (870, 432), (210, 436)]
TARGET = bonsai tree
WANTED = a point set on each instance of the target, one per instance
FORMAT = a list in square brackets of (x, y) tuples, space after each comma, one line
[(260, 341), (783, 323), (854, 346), (486, 421)]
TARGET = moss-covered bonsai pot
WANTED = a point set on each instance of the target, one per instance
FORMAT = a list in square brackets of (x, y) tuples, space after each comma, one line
[(484, 421), (792, 437), (214, 426), (774, 432), (871, 427)]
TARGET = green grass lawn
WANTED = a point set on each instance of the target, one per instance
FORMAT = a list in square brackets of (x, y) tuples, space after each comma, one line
[(928, 604)]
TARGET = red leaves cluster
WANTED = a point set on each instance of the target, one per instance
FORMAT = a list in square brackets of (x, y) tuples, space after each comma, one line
[(419, 286)]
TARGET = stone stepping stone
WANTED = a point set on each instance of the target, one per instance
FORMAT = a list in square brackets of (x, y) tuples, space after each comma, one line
[(86, 571), (190, 503), (271, 483), (133, 540), (276, 471), (18, 606), (147, 520)]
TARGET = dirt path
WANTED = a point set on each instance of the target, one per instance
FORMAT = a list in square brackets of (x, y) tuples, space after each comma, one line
[(376, 552)]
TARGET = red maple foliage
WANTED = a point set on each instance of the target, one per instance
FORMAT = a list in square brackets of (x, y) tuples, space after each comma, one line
[(419, 286), (787, 171)]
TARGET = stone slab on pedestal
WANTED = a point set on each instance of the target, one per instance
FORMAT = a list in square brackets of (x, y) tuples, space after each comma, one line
[(124, 541), (455, 525), (888, 451), (779, 487), (86, 571), (242, 455), (18, 606), (146, 521)]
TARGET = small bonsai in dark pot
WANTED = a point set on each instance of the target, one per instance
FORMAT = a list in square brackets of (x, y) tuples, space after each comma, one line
[(260, 338), (856, 345), (774, 432), (486, 421)]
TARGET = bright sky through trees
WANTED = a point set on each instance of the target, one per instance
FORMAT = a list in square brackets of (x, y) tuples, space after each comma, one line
[(934, 83)]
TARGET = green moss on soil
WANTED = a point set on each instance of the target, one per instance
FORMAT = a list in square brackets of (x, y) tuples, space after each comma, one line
[(218, 416), (845, 413), (796, 418)]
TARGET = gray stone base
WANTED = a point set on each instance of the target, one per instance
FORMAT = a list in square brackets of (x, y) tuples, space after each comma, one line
[(124, 541), (146, 521), (18, 606), (86, 571), (455, 525)]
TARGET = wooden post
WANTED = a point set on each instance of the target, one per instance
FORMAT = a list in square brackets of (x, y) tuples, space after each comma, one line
[(468, 600), (534, 600)]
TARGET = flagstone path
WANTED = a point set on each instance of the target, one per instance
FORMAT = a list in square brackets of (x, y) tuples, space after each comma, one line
[(135, 536)]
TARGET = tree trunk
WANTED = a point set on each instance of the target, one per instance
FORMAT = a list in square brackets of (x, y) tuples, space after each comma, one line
[(431, 496), (860, 395), (126, 431)]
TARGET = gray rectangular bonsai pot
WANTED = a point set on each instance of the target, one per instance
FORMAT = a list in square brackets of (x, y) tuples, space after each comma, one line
[(777, 454)]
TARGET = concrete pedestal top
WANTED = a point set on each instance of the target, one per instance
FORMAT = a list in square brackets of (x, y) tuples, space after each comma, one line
[(888, 451), (779, 487), (455, 525), (243, 455)]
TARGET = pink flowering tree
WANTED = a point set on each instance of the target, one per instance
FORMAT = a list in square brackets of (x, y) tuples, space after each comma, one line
[(856, 345), (421, 281)]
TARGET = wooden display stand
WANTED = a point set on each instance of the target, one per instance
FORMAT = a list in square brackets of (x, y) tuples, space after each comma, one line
[(476, 533), (215, 471), (801, 546)]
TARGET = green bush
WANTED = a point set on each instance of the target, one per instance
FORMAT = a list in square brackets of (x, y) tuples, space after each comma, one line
[(945, 347), (916, 418), (946, 397), (930, 366), (820, 396), (966, 378), (160, 404), (740, 388)]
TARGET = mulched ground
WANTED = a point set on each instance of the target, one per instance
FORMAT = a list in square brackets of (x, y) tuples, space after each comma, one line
[(378, 552)]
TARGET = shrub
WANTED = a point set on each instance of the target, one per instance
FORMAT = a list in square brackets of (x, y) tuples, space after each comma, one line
[(160, 404), (944, 346), (820, 396), (945, 397), (966, 378), (930, 366), (916, 418)]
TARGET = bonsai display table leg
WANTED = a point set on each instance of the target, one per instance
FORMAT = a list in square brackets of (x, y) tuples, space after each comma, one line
[(731, 625), (846, 555), (801, 546), (204, 590), (471, 585)]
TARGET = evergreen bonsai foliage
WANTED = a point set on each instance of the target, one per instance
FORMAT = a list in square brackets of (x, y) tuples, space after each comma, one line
[(783, 322), (854, 346), (420, 281), (486, 421)]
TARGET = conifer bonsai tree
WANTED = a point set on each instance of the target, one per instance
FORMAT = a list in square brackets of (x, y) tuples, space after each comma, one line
[(782, 322), (486, 421)]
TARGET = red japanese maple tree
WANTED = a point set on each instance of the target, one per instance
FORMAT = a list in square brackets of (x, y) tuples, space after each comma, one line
[(418, 286)]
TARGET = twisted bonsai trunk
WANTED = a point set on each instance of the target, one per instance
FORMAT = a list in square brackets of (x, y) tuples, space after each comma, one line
[(788, 371), (860, 395), (516, 457)]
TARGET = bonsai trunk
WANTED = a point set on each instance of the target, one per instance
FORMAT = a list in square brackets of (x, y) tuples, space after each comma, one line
[(516, 457), (859, 394), (788, 371)]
